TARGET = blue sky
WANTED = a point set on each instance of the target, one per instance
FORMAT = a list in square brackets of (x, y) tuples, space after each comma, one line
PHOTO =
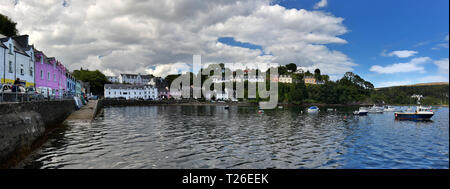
[(378, 28)]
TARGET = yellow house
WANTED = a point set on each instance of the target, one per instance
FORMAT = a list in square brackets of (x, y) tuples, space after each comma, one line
[(310, 80)]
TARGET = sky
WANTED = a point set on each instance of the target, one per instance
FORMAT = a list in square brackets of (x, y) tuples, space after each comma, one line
[(386, 42)]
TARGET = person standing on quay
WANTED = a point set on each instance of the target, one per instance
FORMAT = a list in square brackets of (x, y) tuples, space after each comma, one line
[(16, 84)]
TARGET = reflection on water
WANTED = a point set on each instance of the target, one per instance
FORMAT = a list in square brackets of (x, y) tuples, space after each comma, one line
[(212, 137)]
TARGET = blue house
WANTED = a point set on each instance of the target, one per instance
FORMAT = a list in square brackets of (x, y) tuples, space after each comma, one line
[(71, 84)]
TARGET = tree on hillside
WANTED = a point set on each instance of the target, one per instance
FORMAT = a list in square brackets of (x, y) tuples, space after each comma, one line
[(325, 77), (292, 67), (317, 74), (282, 70), (96, 80), (7, 26), (307, 73), (171, 78)]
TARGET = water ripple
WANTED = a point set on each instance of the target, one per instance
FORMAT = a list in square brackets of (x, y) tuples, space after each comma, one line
[(212, 137)]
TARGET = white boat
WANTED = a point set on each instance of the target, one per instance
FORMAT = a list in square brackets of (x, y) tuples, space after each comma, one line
[(376, 109), (361, 111), (421, 113), (313, 109), (390, 109)]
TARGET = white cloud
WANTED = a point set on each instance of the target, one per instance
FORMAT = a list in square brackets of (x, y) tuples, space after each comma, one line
[(321, 4), (442, 65), (169, 69), (131, 36), (432, 78), (442, 45), (412, 66), (400, 54)]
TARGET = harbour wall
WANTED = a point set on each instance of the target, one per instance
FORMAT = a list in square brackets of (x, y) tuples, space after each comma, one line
[(23, 125)]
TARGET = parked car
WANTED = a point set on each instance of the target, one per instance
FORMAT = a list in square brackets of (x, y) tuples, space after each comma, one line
[(9, 88), (6, 88), (34, 94)]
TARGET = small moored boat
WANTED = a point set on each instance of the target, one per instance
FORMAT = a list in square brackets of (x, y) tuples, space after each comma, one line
[(361, 111), (390, 109), (421, 113), (376, 109), (313, 109)]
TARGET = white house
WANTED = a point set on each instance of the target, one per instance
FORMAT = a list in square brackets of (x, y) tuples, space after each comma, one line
[(251, 79), (300, 70), (285, 79), (16, 60), (113, 79), (130, 91), (135, 79)]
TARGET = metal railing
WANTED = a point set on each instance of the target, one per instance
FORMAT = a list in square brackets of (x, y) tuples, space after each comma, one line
[(6, 97)]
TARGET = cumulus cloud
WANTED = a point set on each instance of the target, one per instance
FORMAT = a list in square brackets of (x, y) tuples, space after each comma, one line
[(321, 4), (442, 65), (116, 36), (400, 54), (168, 69), (412, 66)]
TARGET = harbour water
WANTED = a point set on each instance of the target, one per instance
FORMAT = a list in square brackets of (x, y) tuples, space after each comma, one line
[(213, 137)]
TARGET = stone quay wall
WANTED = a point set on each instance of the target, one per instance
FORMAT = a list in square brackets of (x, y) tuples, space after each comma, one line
[(22, 125)]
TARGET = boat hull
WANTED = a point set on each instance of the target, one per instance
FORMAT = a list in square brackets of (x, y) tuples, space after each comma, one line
[(413, 116), (362, 113)]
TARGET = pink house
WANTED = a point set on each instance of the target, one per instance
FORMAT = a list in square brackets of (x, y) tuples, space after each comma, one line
[(50, 75)]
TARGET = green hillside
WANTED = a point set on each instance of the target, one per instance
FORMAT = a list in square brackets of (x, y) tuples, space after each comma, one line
[(433, 93)]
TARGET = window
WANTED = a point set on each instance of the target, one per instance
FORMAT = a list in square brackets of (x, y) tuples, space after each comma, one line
[(48, 75), (42, 59), (10, 67), (54, 77), (21, 70), (10, 48), (31, 71), (42, 74)]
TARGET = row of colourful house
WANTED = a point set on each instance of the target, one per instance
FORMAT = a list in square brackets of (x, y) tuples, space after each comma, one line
[(19, 59)]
